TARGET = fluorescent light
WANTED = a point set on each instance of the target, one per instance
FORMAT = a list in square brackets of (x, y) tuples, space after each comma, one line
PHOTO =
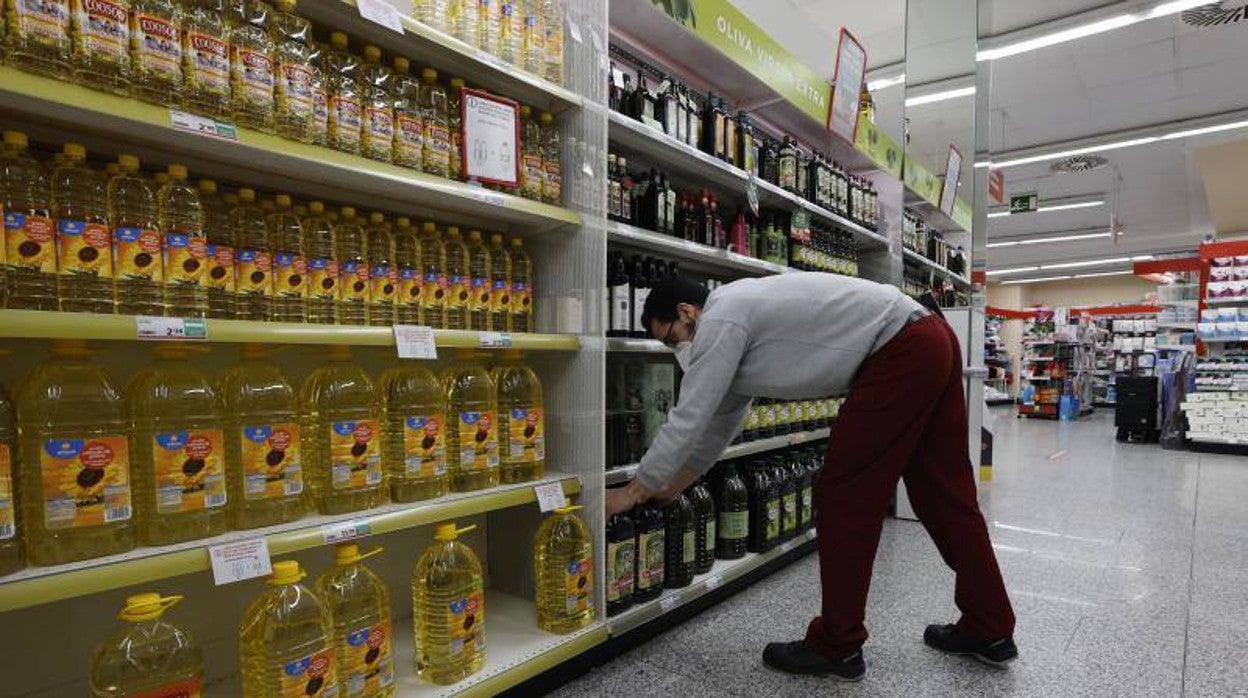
[(1202, 131), (1032, 281), (1053, 207), (1124, 272), (1077, 151), (1066, 277), (1085, 263), (1059, 238), (1011, 270), (874, 85), (998, 214), (941, 96)]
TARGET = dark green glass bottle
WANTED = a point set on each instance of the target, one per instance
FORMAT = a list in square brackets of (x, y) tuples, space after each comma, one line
[(732, 520), (703, 527), (680, 549)]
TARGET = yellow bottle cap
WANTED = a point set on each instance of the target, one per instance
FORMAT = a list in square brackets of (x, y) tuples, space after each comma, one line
[(457, 83), (338, 40), (282, 200), (446, 532), (177, 172), (547, 117), (428, 75), (349, 554), (568, 509), (300, 210), (525, 111), (404, 222), (16, 139), (452, 230), (148, 606), (246, 195), (128, 163), (429, 227), (208, 186), (372, 54), (75, 150), (401, 64), (474, 235), (316, 207), (376, 218), (347, 212), (286, 572), (496, 239), (517, 242), (111, 169)]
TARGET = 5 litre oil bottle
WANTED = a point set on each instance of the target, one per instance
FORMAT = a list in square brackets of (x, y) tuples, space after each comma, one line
[(764, 508), (563, 572), (472, 439), (11, 556), (147, 655), (84, 240), (448, 609), (29, 233), (680, 543), (180, 215), (732, 502), (286, 640), (522, 420), (415, 440), (621, 563), (324, 283), (359, 606), (342, 436), (649, 526)]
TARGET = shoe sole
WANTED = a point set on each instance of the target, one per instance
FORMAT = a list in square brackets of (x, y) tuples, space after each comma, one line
[(998, 664), (821, 674)]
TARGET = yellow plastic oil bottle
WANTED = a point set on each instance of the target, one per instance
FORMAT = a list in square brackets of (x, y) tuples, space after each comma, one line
[(75, 460), (464, 21), (263, 449), (414, 448), (435, 112), (359, 606), (138, 259), (552, 14), (294, 71), (435, 13), (345, 104), (179, 450), (253, 260), (156, 51), (219, 278), (532, 171), (472, 435), (455, 122), (448, 609), (407, 265), (352, 269), (436, 283), (534, 37), (319, 129), (206, 57), (290, 262), (488, 26), (29, 230), (252, 69), (286, 640), (323, 280), (38, 37), (521, 420), (12, 557), (342, 436), (101, 39), (563, 572), (180, 215), (382, 275), (147, 655), (500, 285), (480, 282), (459, 283), (511, 31), (84, 239), (377, 129), (552, 160), (521, 307), (409, 122)]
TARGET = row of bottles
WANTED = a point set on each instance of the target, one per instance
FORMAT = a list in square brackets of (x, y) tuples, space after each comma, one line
[(826, 249), (914, 233), (745, 506), (117, 240), (525, 33), (180, 457), (628, 286), (769, 417)]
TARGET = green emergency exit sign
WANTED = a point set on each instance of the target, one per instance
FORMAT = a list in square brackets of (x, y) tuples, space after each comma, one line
[(1024, 203)]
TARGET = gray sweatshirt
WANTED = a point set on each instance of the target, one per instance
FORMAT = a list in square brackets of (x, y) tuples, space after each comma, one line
[(793, 337)]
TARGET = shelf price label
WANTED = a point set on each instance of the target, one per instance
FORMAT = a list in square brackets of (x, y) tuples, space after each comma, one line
[(415, 342), (345, 531), (383, 13), (668, 602), (550, 496), (244, 559), (495, 340), (202, 125), (171, 328)]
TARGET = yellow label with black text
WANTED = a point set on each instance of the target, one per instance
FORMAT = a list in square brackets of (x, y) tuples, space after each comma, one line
[(290, 275), (382, 284), (464, 619), (84, 248), (86, 482), (311, 676), (190, 470)]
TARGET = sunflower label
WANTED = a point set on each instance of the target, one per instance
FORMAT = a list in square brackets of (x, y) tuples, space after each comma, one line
[(190, 470), (86, 482), (478, 440), (272, 467), (424, 446), (355, 453)]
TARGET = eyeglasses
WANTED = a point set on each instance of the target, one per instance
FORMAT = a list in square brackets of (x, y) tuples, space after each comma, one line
[(667, 339)]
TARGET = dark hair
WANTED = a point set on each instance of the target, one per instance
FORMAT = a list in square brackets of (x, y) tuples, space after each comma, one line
[(665, 295)]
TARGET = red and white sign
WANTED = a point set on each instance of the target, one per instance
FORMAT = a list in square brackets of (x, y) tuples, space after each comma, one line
[(996, 185)]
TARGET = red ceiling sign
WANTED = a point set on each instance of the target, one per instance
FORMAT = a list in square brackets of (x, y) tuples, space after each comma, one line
[(996, 185)]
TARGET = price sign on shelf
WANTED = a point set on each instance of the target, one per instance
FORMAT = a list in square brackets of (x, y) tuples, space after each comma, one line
[(550, 496), (171, 328), (234, 562), (344, 531), (495, 340), (202, 125), (415, 342)]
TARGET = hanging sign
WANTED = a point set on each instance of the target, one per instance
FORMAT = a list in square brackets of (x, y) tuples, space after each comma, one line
[(1024, 203), (953, 174), (851, 65), (996, 184), (491, 138)]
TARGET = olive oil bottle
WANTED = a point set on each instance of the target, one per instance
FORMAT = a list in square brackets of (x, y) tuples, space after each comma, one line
[(621, 563)]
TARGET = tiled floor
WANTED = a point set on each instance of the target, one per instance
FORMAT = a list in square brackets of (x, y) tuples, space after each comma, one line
[(1127, 566)]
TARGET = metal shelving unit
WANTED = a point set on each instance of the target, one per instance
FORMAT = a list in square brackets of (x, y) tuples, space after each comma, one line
[(625, 473), (691, 255)]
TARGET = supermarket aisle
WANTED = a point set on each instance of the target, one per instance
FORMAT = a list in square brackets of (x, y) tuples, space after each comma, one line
[(1125, 563)]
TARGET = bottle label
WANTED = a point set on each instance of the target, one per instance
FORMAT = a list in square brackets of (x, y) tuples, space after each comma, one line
[(478, 440), (313, 676), (188, 688), (521, 298), (344, 122), (272, 461), (220, 268), (382, 280), (323, 279), (137, 254), (367, 663), (30, 242), (554, 181), (409, 139), (318, 127), (457, 297), (84, 248), (650, 567), (526, 435), (533, 175), (253, 77), (621, 308), (734, 525), (773, 519), (103, 31), (45, 22), (355, 454), (424, 445), (434, 293), (411, 286), (207, 63), (689, 547), (290, 278), (464, 618), (437, 147), (708, 539), (190, 473), (500, 296), (639, 306), (578, 586), (254, 272), (354, 281), (86, 482), (807, 505), (479, 300), (620, 569), (186, 256), (158, 46), (790, 512), (8, 519), (294, 91), (379, 131)]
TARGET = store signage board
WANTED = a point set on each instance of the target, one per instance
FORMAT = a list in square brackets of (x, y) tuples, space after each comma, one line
[(491, 138), (922, 181), (996, 184), (963, 214), (415, 342), (244, 559), (953, 174), (383, 12), (1024, 203), (851, 65)]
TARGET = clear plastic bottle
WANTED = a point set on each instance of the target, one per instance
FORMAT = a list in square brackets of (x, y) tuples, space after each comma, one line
[(416, 428), (180, 215), (156, 51), (434, 13), (552, 160), (458, 281), (84, 240), (146, 655), (409, 121), (500, 285), (464, 20), (563, 572), (12, 555), (434, 108), (75, 460), (407, 262), (286, 640), (552, 16), (138, 262), (480, 282), (352, 269), (532, 171), (101, 37), (38, 37), (179, 450), (318, 128), (359, 606), (342, 436), (489, 19), (323, 281), (206, 57), (294, 72), (290, 263), (521, 421), (534, 37), (455, 122), (219, 279), (377, 129), (253, 260), (436, 281), (448, 609), (29, 229), (252, 70), (345, 100), (521, 307), (264, 457), (382, 274), (472, 435)]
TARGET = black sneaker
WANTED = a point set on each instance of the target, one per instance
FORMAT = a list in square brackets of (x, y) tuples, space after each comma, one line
[(797, 658), (948, 639)]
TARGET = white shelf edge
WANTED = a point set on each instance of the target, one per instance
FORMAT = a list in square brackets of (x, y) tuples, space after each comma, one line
[(634, 345), (930, 264), (691, 252), (624, 473)]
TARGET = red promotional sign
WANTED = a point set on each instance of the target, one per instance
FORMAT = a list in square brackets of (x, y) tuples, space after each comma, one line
[(996, 185)]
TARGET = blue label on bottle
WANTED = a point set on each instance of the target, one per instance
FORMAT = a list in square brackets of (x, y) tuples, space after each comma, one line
[(344, 428), (172, 441), (317, 263), (416, 422), (177, 240), (127, 234), (72, 228), (257, 434), (246, 255), (63, 448), (470, 417), (298, 667)]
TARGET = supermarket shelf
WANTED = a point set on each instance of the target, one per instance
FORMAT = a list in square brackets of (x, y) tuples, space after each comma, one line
[(723, 572), (691, 254), (516, 651), (1222, 340), (932, 216), (645, 346), (944, 272), (40, 585), (1238, 300), (1191, 326), (1211, 439), (36, 324), (107, 123), (1185, 302), (1178, 347), (625, 473)]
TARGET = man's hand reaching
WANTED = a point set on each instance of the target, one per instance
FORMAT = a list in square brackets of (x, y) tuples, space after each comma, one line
[(622, 499)]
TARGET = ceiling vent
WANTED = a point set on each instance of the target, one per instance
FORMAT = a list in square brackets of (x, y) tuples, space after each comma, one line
[(1216, 13), (1079, 163)]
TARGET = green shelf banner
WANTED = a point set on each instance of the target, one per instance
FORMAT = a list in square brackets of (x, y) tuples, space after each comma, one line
[(877, 146), (963, 214), (921, 181)]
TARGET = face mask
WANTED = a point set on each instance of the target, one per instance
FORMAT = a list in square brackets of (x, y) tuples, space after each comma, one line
[(684, 354)]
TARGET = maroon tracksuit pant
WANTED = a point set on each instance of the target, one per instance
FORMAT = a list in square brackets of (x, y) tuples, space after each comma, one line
[(904, 417)]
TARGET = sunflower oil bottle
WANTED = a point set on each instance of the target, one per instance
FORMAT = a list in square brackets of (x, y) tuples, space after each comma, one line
[(253, 259), (464, 20), (534, 40), (180, 215), (455, 123), (359, 607), (38, 36), (264, 459), (479, 280), (75, 460), (294, 72), (286, 640), (500, 285), (290, 262), (510, 31), (552, 160), (407, 265), (521, 307), (563, 572), (532, 171), (472, 436), (489, 19), (206, 57), (345, 107), (434, 13), (101, 41), (436, 282), (521, 420), (219, 279), (382, 275), (377, 129), (12, 557), (138, 260), (458, 280), (435, 114), (323, 281), (352, 269), (414, 447), (448, 609), (156, 51), (146, 655), (318, 130), (552, 17), (252, 71), (408, 148), (84, 240), (342, 436), (29, 230)]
